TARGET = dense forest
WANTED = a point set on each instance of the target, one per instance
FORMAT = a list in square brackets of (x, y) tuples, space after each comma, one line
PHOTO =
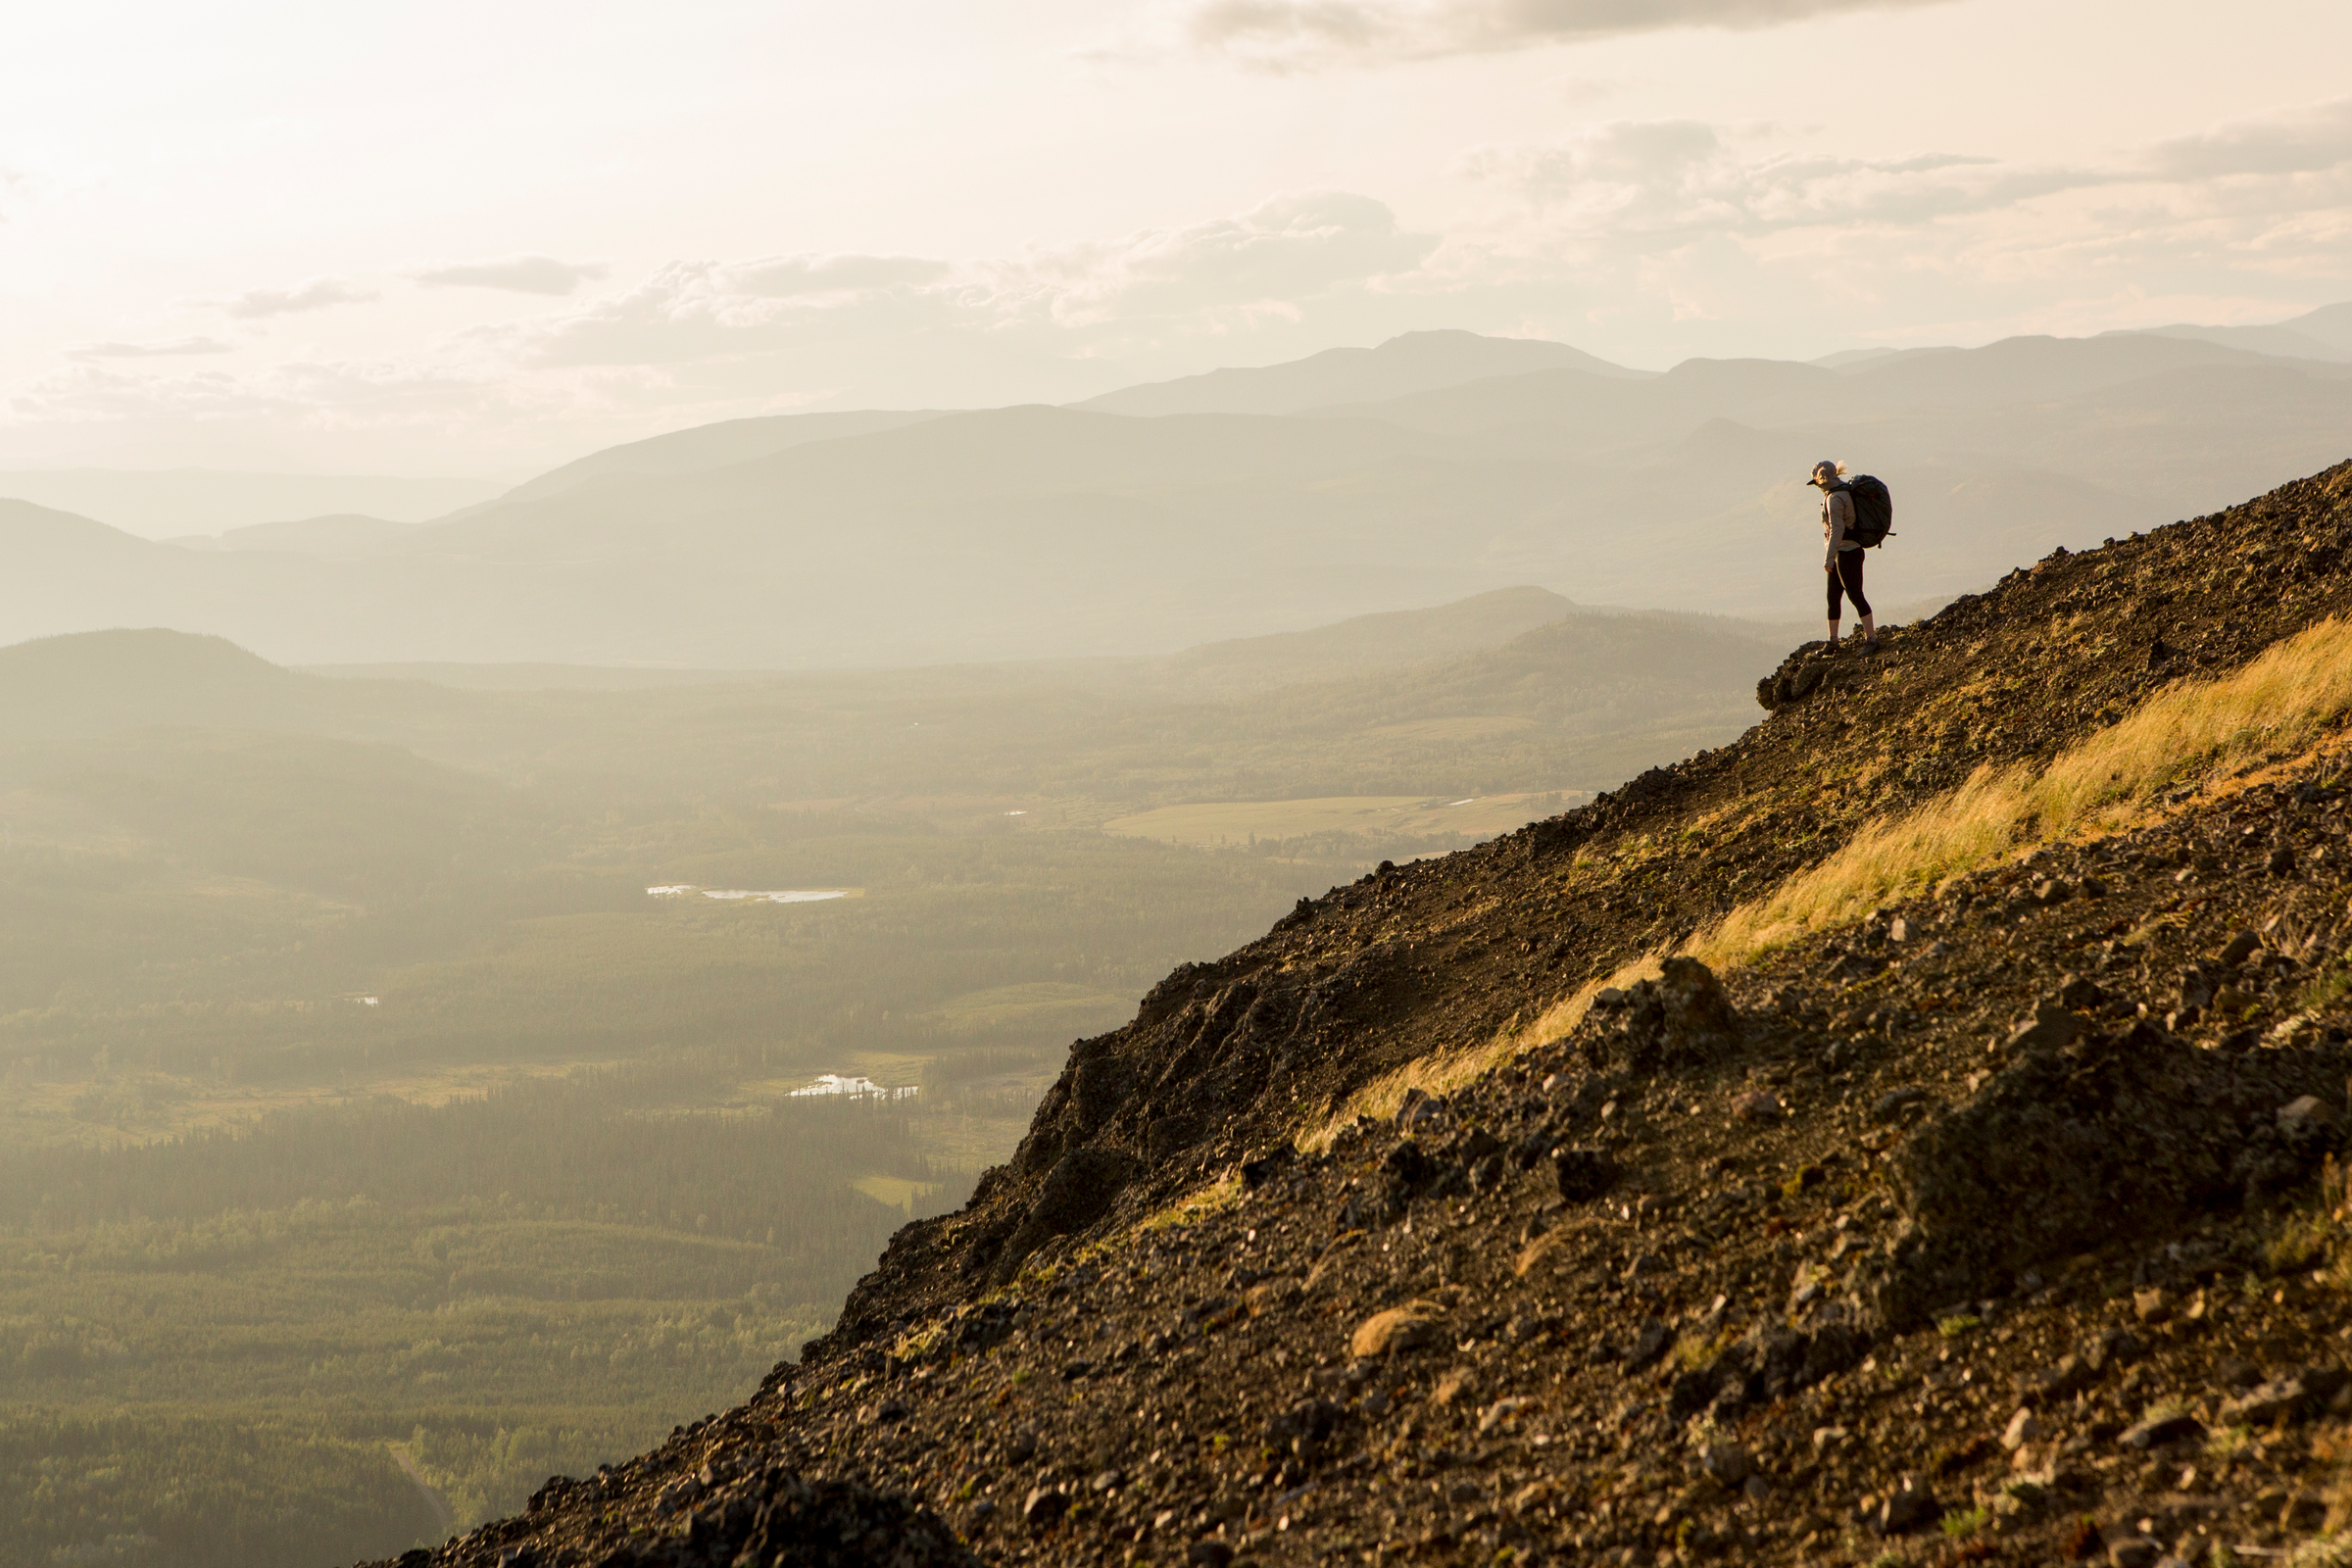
[(503, 1286)]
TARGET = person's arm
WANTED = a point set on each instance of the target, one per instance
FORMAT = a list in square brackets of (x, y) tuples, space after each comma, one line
[(1841, 515)]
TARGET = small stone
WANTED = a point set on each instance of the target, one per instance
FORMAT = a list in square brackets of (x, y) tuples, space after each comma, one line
[(1911, 1506), (2113, 1348), (2159, 1430), (1651, 1341), (1893, 1104), (1758, 1105), (1044, 1507), (1108, 1481), (1207, 1554), (2080, 992), (1502, 1414), (2242, 946), (2024, 1427), (1728, 1465), (1757, 1489), (1449, 1388), (1400, 1328), (2152, 1305), (2052, 1025), (2282, 862), (1826, 1437), (1898, 931), (2069, 1377), (2305, 1116), (2053, 891), (2133, 1552), (1584, 1174)]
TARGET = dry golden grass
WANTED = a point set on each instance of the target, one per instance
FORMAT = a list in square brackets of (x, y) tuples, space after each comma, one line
[(2277, 703)]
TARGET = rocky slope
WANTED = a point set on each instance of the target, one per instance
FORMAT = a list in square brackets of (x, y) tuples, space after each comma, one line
[(1995, 1226)]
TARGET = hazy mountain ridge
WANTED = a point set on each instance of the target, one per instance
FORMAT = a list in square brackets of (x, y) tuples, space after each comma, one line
[(847, 541), (2322, 334), (172, 502), (339, 535), (1593, 684), (1414, 362)]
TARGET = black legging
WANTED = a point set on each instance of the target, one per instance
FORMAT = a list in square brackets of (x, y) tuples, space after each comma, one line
[(1847, 576)]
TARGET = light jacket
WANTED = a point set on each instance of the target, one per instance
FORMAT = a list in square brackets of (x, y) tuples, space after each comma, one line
[(1837, 518)]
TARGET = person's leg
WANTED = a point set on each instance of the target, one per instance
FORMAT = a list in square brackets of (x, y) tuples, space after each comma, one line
[(1849, 568), (1836, 605)]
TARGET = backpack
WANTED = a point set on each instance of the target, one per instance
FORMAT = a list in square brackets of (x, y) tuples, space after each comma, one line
[(1874, 511)]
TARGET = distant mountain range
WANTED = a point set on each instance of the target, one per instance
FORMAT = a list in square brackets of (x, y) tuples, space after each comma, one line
[(1511, 690), (171, 503), (1240, 503)]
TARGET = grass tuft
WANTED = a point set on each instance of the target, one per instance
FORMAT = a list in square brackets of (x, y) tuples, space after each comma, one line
[(1961, 1525)]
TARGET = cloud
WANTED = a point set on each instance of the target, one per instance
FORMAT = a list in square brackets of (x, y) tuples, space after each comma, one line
[(828, 278), (311, 294), (2295, 141), (1682, 223), (313, 395), (1650, 181), (150, 350), (520, 273), (1092, 298), (1306, 34), (697, 340), (1644, 179)]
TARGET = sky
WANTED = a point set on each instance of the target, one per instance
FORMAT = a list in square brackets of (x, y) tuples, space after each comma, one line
[(482, 239)]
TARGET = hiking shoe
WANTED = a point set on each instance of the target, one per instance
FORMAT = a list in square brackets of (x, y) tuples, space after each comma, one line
[(1870, 646)]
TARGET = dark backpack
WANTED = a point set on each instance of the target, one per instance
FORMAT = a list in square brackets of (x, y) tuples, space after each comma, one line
[(1874, 511)]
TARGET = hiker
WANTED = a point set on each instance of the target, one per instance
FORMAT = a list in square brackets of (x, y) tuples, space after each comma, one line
[(1843, 562)]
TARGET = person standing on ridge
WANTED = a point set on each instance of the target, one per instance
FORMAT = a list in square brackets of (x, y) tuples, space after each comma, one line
[(1844, 563)]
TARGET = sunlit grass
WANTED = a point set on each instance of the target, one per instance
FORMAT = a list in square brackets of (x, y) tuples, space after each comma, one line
[(2278, 703)]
